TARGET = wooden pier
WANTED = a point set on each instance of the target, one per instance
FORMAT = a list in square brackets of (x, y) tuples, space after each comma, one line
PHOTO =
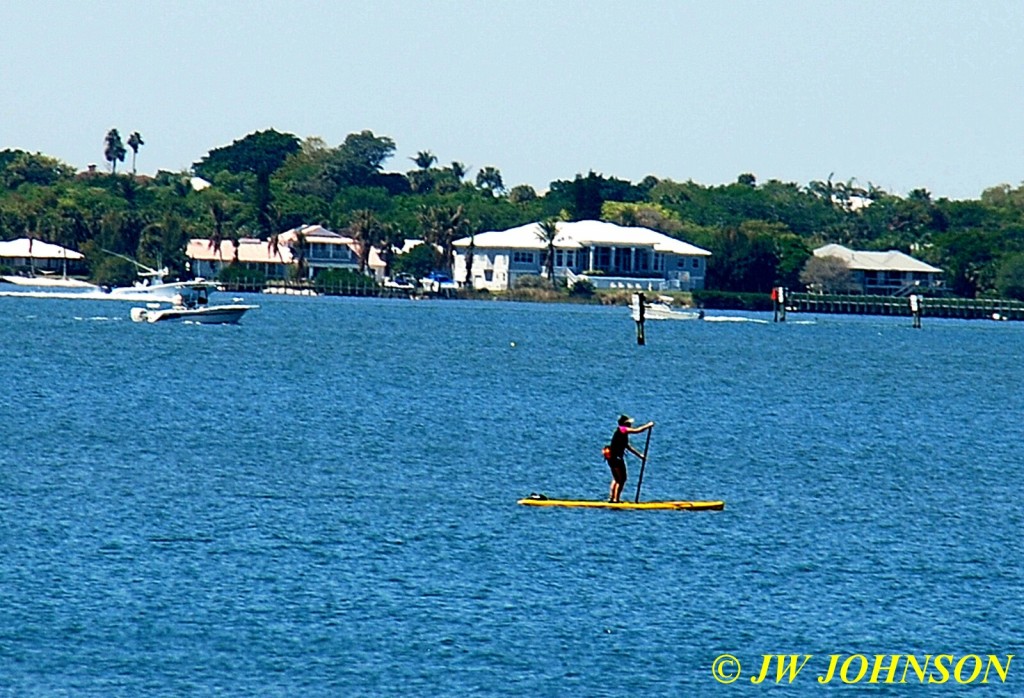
[(966, 308), (312, 288)]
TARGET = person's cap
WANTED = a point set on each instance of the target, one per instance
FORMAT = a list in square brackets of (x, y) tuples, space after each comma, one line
[(625, 419)]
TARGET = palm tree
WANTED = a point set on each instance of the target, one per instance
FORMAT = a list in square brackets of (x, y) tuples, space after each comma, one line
[(490, 178), (461, 227), (548, 231), (219, 216), (298, 249), (151, 243), (367, 231), (134, 141), (470, 252), (824, 190), (459, 170), (274, 247), (442, 225), (424, 159), (391, 239), (114, 150)]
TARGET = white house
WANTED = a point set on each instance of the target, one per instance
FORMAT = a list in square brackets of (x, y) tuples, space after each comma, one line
[(608, 255), (884, 273), (323, 249)]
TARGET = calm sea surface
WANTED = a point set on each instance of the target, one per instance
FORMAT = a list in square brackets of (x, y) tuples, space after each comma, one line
[(321, 500)]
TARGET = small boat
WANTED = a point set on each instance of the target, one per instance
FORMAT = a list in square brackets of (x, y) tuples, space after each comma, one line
[(204, 314), (662, 309), (539, 500)]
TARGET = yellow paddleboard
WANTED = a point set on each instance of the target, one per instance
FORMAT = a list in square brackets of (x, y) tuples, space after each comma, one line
[(542, 501)]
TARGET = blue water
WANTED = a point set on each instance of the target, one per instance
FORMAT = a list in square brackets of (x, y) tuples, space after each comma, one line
[(321, 500)]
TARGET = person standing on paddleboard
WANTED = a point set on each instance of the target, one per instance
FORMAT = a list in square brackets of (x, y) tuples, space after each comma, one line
[(617, 454)]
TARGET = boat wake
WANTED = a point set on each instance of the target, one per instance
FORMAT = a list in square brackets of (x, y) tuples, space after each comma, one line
[(729, 318)]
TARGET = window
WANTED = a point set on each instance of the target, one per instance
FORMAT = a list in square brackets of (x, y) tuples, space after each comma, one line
[(622, 259), (559, 258), (696, 262), (520, 257), (602, 257)]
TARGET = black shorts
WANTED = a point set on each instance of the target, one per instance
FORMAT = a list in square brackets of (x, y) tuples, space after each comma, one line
[(618, 466)]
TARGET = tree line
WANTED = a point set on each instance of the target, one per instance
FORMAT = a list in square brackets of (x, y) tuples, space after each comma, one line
[(760, 233)]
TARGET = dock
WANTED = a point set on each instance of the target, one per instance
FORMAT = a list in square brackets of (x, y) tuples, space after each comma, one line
[(965, 308)]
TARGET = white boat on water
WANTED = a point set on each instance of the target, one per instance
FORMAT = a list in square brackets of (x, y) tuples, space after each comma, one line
[(661, 308), (203, 314), (189, 301)]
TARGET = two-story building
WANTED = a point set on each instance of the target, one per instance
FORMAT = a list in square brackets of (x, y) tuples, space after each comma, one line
[(884, 273), (321, 249), (606, 254)]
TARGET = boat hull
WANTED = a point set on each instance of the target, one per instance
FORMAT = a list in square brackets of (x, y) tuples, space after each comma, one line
[(208, 315)]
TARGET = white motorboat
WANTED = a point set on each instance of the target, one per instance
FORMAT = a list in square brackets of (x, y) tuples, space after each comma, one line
[(204, 314), (662, 309), (189, 301)]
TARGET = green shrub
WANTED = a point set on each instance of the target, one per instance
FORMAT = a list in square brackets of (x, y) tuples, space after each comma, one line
[(729, 300), (532, 281), (583, 288), (333, 281), (417, 262), (1010, 277), (238, 274)]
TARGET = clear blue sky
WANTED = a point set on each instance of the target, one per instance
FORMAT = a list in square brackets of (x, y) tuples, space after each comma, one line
[(901, 93)]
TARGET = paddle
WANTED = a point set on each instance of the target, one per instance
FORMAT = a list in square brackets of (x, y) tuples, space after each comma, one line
[(643, 463)]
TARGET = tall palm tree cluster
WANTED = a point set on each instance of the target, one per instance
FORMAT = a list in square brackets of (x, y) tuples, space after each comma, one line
[(442, 180), (442, 226), (114, 150), (369, 233)]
